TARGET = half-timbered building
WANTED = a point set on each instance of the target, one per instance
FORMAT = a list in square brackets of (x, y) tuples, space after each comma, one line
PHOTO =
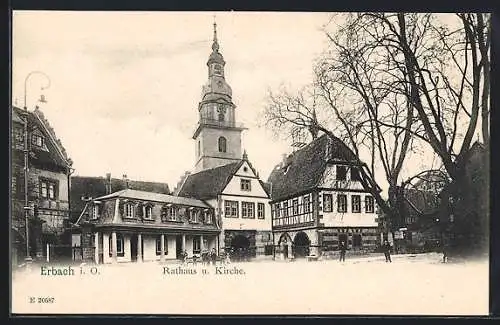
[(317, 200)]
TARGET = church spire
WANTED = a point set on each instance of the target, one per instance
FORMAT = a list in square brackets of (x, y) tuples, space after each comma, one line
[(215, 44)]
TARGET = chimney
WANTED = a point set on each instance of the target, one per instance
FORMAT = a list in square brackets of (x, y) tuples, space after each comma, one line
[(108, 183), (126, 180)]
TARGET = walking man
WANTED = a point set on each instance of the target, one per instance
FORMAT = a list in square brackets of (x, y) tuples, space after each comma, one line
[(342, 248), (387, 251)]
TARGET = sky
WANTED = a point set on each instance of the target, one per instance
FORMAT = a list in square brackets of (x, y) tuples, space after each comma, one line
[(125, 86)]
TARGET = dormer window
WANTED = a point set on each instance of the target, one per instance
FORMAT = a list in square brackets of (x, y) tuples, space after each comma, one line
[(148, 212), (94, 212), (129, 210), (37, 140), (341, 173), (208, 217)]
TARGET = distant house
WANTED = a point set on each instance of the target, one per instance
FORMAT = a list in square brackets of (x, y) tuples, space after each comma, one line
[(49, 170), (135, 226), (317, 201)]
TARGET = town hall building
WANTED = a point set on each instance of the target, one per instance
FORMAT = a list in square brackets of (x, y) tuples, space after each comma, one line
[(223, 176)]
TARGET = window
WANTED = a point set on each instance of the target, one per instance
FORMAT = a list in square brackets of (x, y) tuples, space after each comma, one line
[(199, 147), (222, 144), (295, 206), (342, 203), (231, 209), (356, 203), (208, 217), (327, 202), (158, 245), (306, 203), (247, 210), (37, 140), (119, 245), (218, 69), (148, 212), (94, 212), (355, 176), (196, 245), (172, 213), (48, 189), (18, 135), (193, 215), (268, 250), (245, 185), (129, 210), (285, 209), (341, 173), (369, 204), (261, 210)]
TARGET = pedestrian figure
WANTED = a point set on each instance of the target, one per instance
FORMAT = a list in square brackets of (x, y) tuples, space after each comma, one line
[(213, 256), (342, 248), (445, 252), (387, 251)]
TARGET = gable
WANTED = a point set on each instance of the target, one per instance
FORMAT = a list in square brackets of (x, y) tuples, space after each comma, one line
[(249, 175), (246, 170)]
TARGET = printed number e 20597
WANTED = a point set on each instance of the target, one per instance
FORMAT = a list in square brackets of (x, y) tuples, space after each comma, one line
[(42, 300)]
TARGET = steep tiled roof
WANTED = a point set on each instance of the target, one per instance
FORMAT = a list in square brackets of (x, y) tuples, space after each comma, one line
[(208, 183), (96, 186), (55, 155), (155, 197), (303, 168)]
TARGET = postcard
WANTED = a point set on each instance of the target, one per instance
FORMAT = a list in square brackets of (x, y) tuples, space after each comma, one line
[(250, 163)]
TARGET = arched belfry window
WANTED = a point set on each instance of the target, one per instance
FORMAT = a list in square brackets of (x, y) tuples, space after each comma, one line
[(222, 144)]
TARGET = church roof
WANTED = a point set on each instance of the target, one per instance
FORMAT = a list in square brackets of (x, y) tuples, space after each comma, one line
[(209, 183), (304, 168)]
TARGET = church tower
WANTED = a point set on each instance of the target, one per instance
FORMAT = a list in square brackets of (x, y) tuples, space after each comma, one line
[(217, 135)]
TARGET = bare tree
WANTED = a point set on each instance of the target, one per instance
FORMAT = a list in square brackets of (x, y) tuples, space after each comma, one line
[(390, 82)]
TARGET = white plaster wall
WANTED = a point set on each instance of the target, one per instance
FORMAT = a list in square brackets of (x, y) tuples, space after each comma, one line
[(348, 219), (150, 248), (126, 249), (245, 223)]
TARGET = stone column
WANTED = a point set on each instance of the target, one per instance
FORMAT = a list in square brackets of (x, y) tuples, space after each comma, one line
[(139, 247), (290, 252), (202, 244), (114, 245), (96, 248), (162, 245), (183, 242)]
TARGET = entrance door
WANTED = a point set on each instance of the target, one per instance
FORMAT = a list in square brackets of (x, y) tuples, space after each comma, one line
[(240, 246), (133, 248)]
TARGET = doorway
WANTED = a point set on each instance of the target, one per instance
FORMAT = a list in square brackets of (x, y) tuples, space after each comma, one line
[(178, 247), (301, 244)]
